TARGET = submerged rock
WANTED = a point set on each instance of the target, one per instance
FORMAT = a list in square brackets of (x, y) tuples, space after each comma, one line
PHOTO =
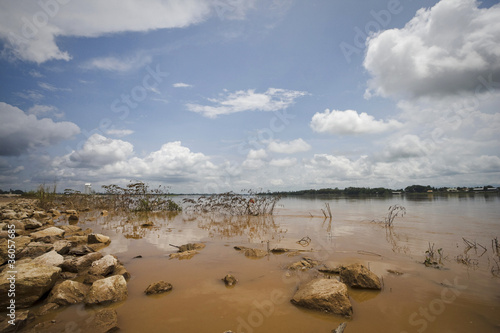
[(327, 295), (32, 282), (358, 276), (305, 263), (108, 290), (158, 288), (105, 321), (183, 255), (191, 246), (251, 252), (229, 280)]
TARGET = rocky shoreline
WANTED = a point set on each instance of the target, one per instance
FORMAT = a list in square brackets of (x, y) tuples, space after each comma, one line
[(48, 262), (44, 267)]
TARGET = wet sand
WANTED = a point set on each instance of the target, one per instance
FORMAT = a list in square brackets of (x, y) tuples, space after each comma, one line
[(458, 298)]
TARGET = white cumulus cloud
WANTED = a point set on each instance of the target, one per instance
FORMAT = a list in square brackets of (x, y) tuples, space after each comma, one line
[(350, 122), (20, 132), (451, 48), (248, 100), (292, 147)]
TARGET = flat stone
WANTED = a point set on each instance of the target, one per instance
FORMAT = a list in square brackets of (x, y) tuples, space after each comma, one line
[(35, 249), (52, 231), (328, 295), (30, 224), (51, 258), (183, 255), (78, 264)]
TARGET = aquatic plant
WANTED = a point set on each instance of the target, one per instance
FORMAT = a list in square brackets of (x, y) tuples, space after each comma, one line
[(233, 204), (394, 211), (139, 197)]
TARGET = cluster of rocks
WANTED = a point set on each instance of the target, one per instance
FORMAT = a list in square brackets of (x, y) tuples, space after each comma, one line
[(324, 294), (55, 265), (331, 294)]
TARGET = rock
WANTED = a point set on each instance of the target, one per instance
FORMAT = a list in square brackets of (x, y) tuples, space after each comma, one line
[(39, 214), (121, 270), (105, 321), (30, 224), (97, 247), (18, 225), (251, 253), (54, 212), (78, 264), (20, 241), (183, 255), (22, 318), (158, 288), (9, 214), (104, 266), (71, 229), (35, 249), (52, 231), (73, 218), (255, 253), (229, 280), (46, 308), (108, 290), (71, 212), (32, 282), (395, 272), (104, 213), (68, 292), (51, 258), (80, 250), (68, 275), (62, 246), (78, 240), (358, 276), (147, 224), (305, 263), (98, 239), (327, 295), (330, 269), (191, 246)]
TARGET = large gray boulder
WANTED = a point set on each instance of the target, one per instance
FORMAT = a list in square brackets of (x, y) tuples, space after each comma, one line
[(68, 292), (51, 258), (108, 290), (327, 295), (49, 232), (32, 282), (358, 276), (104, 266), (98, 239)]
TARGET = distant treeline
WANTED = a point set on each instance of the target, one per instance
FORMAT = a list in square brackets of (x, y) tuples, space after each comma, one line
[(11, 191), (381, 191)]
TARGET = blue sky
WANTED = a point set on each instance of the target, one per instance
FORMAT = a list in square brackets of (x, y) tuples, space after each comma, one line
[(217, 95)]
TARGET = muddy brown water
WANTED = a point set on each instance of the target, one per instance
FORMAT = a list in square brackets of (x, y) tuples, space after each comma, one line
[(457, 298)]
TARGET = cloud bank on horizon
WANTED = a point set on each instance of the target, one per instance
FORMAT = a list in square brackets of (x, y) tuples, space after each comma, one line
[(210, 96)]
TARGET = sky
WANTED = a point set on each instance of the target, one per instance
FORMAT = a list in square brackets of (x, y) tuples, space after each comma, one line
[(208, 96)]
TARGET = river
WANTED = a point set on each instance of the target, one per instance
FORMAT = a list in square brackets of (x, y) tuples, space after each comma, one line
[(462, 295)]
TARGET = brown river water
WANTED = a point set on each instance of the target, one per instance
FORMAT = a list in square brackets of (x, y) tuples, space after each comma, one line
[(459, 297)]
